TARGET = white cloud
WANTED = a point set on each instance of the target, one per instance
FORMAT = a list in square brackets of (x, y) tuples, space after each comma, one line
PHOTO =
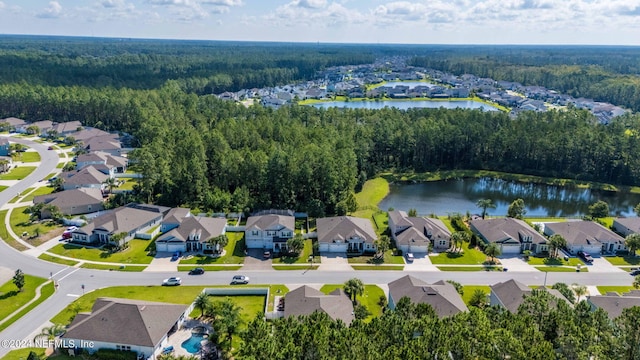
[(227, 3), (1, 5), (314, 13), (53, 11), (312, 4)]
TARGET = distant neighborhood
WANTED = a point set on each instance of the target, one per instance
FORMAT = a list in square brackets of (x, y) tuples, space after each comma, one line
[(367, 81)]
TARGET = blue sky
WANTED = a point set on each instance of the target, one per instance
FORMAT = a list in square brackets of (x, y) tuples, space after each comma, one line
[(608, 22)]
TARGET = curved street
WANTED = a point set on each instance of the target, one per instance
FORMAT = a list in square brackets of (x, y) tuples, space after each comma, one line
[(71, 280)]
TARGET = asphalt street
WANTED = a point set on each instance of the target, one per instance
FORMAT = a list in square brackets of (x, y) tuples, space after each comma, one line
[(71, 280)]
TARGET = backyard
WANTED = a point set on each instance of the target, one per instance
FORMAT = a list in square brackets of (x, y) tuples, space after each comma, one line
[(136, 253)]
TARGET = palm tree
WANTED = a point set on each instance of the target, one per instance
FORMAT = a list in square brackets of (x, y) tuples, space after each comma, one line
[(579, 290), (492, 250), (636, 282), (458, 238), (296, 244), (110, 183), (354, 287), (478, 298), (50, 333), (556, 241), (219, 242), (201, 302), (485, 204), (382, 245), (632, 241)]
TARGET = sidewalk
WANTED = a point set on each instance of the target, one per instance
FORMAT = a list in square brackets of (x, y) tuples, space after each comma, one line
[(35, 298)]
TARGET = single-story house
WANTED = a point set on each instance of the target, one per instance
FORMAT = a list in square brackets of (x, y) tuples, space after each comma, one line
[(586, 236), (143, 327), (192, 234), (510, 294), (106, 143), (415, 234), (4, 146), (13, 122), (441, 295), (87, 177), (90, 133), (65, 128), (306, 300), (346, 234), (614, 303), (112, 163), (131, 220), (269, 232), (73, 202), (513, 236), (627, 226), (43, 126)]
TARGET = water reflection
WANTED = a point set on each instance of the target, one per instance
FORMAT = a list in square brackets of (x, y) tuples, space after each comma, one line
[(451, 196)]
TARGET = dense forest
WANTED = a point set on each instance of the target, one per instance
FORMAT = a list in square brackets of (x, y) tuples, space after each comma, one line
[(209, 154), (541, 329)]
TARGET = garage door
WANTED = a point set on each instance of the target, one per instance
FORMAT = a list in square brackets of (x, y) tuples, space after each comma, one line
[(255, 244), (510, 249), (169, 247), (337, 247)]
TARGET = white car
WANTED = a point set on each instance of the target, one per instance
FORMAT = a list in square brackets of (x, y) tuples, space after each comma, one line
[(240, 279), (172, 281), (410, 257)]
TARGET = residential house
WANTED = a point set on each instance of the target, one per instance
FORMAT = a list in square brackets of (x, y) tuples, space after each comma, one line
[(43, 126), (510, 294), (587, 236), (128, 325), (72, 202), (513, 236), (173, 219), (66, 128), (613, 303), (90, 133), (87, 177), (306, 300), (627, 226), (192, 233), (415, 234), (107, 144), (346, 234), (4, 147), (441, 295), (14, 123), (269, 232), (131, 220), (112, 163)]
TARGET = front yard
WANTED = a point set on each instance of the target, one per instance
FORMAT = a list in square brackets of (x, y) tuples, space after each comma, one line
[(623, 260), (469, 256), (21, 224), (303, 258), (234, 253), (136, 253), (553, 262), (44, 190), (30, 156), (389, 258), (18, 173)]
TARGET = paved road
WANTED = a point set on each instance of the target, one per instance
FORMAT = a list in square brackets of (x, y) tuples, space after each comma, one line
[(71, 279)]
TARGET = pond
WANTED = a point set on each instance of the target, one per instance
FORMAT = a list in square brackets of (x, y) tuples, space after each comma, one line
[(406, 104), (461, 195)]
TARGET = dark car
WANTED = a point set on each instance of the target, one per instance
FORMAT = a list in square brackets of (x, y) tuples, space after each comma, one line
[(585, 256), (176, 256), (634, 272), (196, 271)]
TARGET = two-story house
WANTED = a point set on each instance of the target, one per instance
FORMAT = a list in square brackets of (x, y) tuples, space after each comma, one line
[(416, 234), (183, 232), (346, 234), (269, 232)]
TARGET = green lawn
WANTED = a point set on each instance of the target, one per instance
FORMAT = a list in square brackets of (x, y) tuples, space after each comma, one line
[(136, 253), (128, 184), (623, 260), (3, 188), (470, 289), (60, 165), (447, 222), (369, 299), (132, 268), (558, 261), (378, 267), (57, 260), (381, 221), (545, 219), (30, 156), (20, 223), (275, 290), (234, 252), (619, 289), (18, 173), (468, 257), (251, 305), (4, 234), (45, 292), (372, 193), (209, 267), (303, 258), (44, 190), (11, 299), (389, 258), (469, 268), (560, 269), (295, 267), (49, 176), (22, 354)]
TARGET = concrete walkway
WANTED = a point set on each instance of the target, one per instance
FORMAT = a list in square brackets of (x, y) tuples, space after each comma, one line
[(162, 262)]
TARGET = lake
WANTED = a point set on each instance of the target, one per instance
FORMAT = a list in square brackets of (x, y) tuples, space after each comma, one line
[(460, 196), (406, 104)]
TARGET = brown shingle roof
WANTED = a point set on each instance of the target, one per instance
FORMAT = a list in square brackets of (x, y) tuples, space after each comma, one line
[(123, 321), (345, 227), (442, 296), (85, 176), (306, 300)]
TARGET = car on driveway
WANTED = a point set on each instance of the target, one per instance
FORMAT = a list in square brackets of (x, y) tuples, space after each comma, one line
[(410, 257), (266, 254), (172, 281), (239, 279), (585, 256), (176, 256), (196, 271), (634, 272)]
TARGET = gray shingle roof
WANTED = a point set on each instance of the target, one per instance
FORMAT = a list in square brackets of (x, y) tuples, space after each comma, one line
[(123, 321), (85, 176), (500, 230), (122, 219), (442, 296), (271, 222), (399, 218), (306, 300), (15, 122), (343, 228), (511, 293), (205, 227), (583, 232), (631, 223), (614, 304), (68, 198)]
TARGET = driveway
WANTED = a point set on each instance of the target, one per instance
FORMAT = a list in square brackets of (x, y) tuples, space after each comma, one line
[(162, 262), (334, 262), (421, 262), (255, 260), (516, 263), (601, 265)]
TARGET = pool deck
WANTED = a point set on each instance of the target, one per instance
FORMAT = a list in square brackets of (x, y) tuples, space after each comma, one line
[(183, 334)]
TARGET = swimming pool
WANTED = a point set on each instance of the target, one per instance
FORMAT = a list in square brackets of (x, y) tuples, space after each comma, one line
[(193, 344)]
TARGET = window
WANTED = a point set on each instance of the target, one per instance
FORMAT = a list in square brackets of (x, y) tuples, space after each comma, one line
[(255, 233), (442, 243)]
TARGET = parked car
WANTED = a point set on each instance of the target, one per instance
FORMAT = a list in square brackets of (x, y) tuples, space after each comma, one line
[(196, 271), (240, 279), (634, 271), (266, 254), (585, 256), (176, 256), (172, 281), (410, 257), (66, 235)]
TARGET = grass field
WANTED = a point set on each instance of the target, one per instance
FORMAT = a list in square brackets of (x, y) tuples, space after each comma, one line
[(3, 188), (44, 190), (22, 354), (57, 260), (18, 173), (623, 260), (619, 289), (372, 193), (234, 253), (295, 267), (303, 258), (30, 156), (136, 253), (131, 268), (470, 289), (583, 269), (11, 299), (60, 165), (378, 267), (369, 299), (209, 267), (470, 256), (558, 261), (389, 258), (20, 224), (45, 292), (469, 268), (128, 184), (4, 234)]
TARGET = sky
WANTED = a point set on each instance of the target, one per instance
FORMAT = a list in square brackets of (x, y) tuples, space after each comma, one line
[(603, 22)]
